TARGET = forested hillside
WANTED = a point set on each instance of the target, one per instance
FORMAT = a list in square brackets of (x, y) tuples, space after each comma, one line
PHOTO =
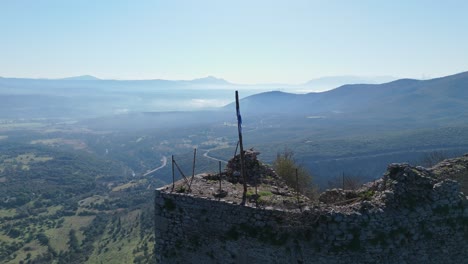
[(65, 206)]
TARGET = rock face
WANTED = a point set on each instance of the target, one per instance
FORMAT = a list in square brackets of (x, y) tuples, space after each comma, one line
[(456, 169), (410, 215)]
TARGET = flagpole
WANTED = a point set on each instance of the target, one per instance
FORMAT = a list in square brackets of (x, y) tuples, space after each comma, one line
[(239, 128)]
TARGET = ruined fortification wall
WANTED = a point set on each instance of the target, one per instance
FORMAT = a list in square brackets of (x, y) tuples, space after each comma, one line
[(406, 217)]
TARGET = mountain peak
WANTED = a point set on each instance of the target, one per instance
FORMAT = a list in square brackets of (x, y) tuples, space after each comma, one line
[(331, 82), (82, 78), (210, 80)]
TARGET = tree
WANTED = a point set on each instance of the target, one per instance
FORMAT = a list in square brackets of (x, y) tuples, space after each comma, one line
[(286, 167), (73, 241), (432, 158), (43, 239)]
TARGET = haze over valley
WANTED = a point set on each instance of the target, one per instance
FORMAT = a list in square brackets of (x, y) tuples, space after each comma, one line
[(354, 130), (351, 123), (98, 98)]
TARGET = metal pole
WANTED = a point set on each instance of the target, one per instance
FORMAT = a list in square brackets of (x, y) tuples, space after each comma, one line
[(342, 177), (173, 177), (237, 146), (256, 192), (219, 175), (239, 129), (182, 173), (193, 168), (297, 186)]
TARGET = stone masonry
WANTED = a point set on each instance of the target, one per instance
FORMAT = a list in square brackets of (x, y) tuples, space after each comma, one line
[(410, 215)]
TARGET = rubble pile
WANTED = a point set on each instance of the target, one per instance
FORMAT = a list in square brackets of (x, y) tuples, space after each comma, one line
[(255, 171)]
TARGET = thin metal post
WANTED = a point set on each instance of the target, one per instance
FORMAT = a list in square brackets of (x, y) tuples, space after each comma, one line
[(193, 168), (219, 163), (256, 192), (342, 177), (239, 128), (297, 186), (181, 173), (237, 146), (173, 176)]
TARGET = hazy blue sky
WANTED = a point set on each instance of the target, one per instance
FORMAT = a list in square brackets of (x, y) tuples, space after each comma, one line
[(241, 41)]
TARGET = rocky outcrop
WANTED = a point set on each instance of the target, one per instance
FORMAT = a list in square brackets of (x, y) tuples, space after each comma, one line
[(455, 169)]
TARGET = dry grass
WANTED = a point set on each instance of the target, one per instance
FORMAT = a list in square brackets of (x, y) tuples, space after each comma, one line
[(275, 195), (28, 158), (74, 143), (120, 250), (34, 248), (7, 212), (22, 161), (95, 199), (58, 237), (28, 125), (128, 185)]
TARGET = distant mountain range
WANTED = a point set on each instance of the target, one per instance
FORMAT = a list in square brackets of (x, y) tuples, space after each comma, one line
[(328, 83), (317, 85), (209, 80), (87, 95), (81, 78), (405, 98)]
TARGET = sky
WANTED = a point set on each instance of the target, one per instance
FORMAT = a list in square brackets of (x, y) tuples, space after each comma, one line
[(242, 41)]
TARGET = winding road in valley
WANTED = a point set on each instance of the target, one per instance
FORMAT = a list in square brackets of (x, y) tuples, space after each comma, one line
[(164, 163), (206, 155)]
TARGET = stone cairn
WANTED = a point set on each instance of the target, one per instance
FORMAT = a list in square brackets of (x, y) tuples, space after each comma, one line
[(255, 171)]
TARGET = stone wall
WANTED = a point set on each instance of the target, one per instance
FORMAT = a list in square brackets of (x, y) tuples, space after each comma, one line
[(408, 216)]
